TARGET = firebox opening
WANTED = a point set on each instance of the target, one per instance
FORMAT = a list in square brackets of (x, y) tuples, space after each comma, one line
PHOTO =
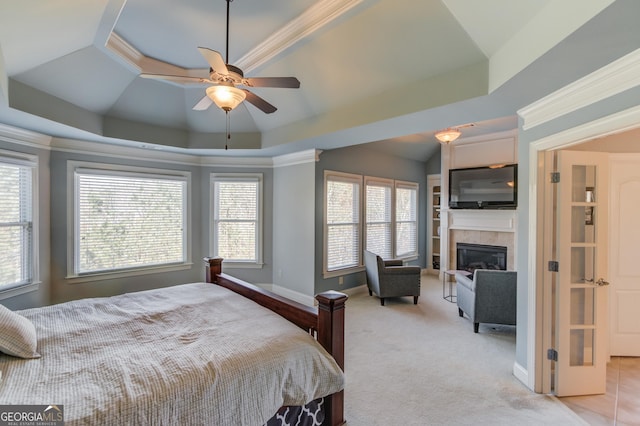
[(479, 256)]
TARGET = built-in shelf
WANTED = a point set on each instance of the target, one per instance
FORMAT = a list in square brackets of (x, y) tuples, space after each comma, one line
[(433, 243)]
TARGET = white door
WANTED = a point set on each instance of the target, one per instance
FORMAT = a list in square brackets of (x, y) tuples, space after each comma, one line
[(624, 269), (582, 311)]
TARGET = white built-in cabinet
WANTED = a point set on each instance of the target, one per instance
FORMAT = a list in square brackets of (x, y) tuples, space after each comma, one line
[(485, 150)]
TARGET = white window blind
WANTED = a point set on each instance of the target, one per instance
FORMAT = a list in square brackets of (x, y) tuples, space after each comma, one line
[(16, 223), (237, 218), (128, 220), (406, 219), (378, 218), (342, 222)]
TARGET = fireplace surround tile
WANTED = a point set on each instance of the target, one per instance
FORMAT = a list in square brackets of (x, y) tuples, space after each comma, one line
[(492, 238)]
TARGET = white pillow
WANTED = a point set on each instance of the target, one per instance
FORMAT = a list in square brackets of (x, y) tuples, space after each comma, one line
[(17, 335)]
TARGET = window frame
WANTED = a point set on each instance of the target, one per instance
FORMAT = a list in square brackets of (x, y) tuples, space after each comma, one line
[(387, 183), (213, 242), (363, 182), (355, 179), (107, 169), (415, 187), (32, 163)]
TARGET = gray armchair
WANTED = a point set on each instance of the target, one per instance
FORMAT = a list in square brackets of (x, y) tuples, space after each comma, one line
[(391, 279), (490, 297)]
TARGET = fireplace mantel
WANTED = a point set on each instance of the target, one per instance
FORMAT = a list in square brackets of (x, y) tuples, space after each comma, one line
[(490, 227), (483, 220)]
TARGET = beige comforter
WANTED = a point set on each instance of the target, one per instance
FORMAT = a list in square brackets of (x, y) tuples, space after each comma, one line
[(189, 354)]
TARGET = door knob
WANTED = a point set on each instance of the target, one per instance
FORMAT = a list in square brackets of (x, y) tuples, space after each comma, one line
[(601, 282)]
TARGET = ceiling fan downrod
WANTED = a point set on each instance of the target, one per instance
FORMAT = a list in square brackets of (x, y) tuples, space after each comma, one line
[(228, 119), (227, 58)]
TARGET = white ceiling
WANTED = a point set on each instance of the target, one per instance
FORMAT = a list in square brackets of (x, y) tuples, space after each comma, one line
[(385, 71)]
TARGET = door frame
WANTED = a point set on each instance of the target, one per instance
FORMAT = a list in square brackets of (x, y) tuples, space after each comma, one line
[(539, 301)]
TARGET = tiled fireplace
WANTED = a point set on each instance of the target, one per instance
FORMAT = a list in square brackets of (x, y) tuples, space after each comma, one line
[(486, 227)]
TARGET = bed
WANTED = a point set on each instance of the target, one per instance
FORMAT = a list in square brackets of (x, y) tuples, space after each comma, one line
[(225, 354)]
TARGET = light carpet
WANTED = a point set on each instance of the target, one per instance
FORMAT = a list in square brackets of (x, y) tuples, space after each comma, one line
[(423, 365)]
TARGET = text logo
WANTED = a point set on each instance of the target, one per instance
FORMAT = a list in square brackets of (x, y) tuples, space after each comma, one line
[(31, 415)]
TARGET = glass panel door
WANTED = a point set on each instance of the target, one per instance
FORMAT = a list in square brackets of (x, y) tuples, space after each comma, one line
[(582, 303)]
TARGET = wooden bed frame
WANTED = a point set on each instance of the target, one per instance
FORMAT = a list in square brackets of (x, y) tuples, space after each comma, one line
[(325, 323)]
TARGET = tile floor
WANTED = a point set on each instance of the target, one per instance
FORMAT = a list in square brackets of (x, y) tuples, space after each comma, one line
[(620, 406)]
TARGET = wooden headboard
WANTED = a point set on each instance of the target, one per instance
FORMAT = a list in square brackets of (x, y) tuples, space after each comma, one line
[(325, 323)]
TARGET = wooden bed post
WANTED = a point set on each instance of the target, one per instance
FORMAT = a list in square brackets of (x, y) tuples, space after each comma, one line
[(327, 321), (215, 268), (331, 337)]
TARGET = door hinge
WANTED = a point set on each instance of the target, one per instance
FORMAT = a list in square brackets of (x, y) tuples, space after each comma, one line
[(553, 266), (552, 354), (555, 177)]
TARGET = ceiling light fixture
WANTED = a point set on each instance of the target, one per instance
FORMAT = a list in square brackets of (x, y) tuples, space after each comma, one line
[(226, 96), (448, 135)]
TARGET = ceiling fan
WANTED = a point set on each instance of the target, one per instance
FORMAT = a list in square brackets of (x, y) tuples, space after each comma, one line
[(225, 78)]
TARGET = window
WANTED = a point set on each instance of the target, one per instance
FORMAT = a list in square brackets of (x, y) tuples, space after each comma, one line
[(17, 241), (390, 218), (128, 218), (342, 221), (378, 215), (237, 218), (406, 219)]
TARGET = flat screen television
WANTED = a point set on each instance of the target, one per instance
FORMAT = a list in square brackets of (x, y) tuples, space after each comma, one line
[(494, 187)]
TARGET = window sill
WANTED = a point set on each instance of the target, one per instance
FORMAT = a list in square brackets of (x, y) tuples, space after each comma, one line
[(18, 290), (408, 258), (342, 272), (102, 276), (229, 264)]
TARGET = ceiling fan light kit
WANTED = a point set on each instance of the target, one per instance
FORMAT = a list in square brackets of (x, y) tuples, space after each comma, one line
[(226, 97), (448, 135)]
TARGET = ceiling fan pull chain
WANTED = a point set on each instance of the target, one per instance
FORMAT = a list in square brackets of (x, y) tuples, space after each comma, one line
[(228, 120)]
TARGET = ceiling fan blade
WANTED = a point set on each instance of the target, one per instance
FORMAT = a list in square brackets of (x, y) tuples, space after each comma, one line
[(176, 78), (259, 103), (284, 82), (214, 59), (203, 104)]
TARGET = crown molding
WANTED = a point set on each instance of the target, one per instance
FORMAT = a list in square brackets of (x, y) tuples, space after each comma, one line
[(141, 63), (505, 134), (311, 20), (149, 152), (124, 50), (309, 156), (616, 77), (24, 137), (237, 162), (314, 18), (146, 152), (622, 121)]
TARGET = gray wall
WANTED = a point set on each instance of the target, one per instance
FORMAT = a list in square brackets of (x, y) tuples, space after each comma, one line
[(53, 230), (61, 289), (293, 227), (298, 190), (361, 160), (433, 165)]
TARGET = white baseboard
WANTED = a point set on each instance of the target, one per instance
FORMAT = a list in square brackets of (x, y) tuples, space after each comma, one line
[(521, 374), (354, 290), (291, 294)]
